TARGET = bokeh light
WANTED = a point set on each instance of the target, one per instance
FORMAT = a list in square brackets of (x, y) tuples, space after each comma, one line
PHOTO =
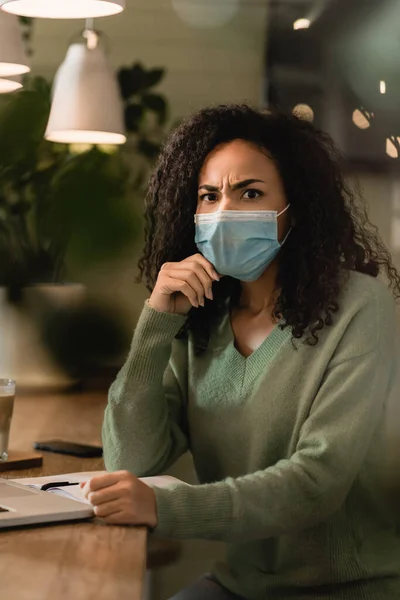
[(304, 111)]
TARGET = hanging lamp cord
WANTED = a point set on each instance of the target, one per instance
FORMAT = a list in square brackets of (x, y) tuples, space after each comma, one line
[(91, 36)]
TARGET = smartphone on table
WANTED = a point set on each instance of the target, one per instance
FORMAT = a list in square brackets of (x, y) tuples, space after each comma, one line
[(70, 448)]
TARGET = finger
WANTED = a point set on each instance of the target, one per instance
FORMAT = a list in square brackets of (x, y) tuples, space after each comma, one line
[(199, 261), (207, 266), (192, 278), (183, 269), (177, 285), (104, 481), (205, 279), (205, 282), (107, 509), (167, 265), (104, 495)]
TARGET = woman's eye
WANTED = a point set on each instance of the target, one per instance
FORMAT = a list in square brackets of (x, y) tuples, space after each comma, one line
[(252, 194), (209, 198)]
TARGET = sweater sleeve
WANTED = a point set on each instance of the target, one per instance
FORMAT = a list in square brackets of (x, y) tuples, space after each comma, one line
[(144, 429), (308, 488)]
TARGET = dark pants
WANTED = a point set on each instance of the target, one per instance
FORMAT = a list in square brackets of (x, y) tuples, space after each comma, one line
[(205, 588)]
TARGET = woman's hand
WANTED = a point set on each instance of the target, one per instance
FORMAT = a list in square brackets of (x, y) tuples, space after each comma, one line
[(120, 498), (183, 284)]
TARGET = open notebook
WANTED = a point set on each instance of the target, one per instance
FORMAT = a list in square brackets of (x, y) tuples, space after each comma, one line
[(74, 492)]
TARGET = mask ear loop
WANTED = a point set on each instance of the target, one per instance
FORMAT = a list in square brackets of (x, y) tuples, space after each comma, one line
[(288, 233), (283, 211), (286, 236)]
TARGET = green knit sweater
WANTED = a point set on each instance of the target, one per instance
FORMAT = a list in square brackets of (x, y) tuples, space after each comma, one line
[(287, 444)]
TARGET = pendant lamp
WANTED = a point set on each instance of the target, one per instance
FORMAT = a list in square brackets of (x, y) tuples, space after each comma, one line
[(13, 59), (7, 86), (63, 9), (87, 106)]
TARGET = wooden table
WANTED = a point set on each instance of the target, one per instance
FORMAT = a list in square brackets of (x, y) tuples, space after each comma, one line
[(82, 561)]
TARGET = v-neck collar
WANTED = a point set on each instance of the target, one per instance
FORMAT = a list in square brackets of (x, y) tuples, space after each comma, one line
[(245, 369), (270, 345)]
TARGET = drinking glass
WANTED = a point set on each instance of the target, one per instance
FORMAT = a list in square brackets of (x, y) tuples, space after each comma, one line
[(7, 395)]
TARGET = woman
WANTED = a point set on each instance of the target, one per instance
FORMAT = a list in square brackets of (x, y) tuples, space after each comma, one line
[(268, 349)]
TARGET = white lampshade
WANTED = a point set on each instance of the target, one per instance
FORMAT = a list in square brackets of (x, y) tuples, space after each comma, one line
[(13, 60), (87, 105), (7, 86), (63, 9)]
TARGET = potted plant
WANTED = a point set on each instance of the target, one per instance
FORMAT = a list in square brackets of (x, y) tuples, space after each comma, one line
[(65, 210)]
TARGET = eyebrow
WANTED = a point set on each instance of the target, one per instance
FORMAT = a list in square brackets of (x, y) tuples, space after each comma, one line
[(237, 186)]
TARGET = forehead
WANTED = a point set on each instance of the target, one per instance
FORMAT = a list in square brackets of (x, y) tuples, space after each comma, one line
[(239, 159)]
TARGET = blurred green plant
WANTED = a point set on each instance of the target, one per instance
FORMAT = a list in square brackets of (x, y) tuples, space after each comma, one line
[(146, 114), (59, 207), (67, 207), (56, 207), (136, 84)]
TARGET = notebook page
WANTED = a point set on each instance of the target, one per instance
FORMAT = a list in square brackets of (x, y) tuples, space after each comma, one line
[(71, 477), (73, 492)]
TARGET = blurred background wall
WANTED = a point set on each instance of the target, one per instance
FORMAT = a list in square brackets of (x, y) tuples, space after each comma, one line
[(341, 64)]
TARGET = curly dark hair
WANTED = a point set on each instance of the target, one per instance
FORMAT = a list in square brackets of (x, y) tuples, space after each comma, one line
[(332, 233)]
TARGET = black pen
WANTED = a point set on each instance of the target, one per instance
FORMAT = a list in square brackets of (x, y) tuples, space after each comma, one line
[(56, 484)]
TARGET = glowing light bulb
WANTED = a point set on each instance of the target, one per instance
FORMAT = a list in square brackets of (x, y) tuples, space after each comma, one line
[(301, 24)]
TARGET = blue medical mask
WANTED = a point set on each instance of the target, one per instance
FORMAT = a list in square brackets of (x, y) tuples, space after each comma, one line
[(241, 244)]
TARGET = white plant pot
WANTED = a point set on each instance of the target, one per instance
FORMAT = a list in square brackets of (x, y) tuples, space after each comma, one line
[(23, 356)]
